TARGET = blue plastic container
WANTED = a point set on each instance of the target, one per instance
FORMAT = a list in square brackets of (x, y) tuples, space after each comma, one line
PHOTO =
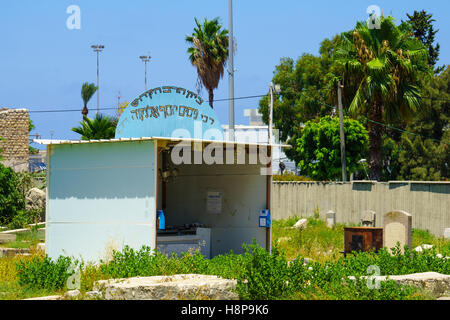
[(162, 219)]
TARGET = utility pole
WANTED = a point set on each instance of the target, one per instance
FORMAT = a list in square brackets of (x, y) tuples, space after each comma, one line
[(98, 48), (341, 125), (145, 59), (270, 111), (230, 71), (277, 90)]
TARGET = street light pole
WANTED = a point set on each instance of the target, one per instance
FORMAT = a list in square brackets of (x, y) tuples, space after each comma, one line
[(145, 59), (98, 48), (342, 136), (230, 71)]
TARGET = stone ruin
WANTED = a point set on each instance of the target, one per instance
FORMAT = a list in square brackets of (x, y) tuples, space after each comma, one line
[(14, 124)]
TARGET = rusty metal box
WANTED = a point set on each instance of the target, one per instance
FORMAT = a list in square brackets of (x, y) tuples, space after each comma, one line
[(363, 239)]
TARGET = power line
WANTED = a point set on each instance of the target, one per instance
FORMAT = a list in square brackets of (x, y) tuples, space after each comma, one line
[(115, 108)]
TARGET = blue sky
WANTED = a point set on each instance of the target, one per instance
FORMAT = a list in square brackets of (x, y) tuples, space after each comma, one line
[(43, 63)]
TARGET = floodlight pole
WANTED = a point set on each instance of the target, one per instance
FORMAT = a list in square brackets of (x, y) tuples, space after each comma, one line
[(230, 71), (98, 48), (145, 59), (342, 136)]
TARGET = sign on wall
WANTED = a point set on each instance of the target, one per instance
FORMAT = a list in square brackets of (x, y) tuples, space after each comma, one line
[(169, 111)]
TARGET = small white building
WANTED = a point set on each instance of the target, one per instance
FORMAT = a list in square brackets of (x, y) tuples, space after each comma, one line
[(257, 132), (169, 154)]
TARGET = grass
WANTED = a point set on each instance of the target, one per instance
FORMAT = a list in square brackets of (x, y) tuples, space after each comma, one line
[(322, 244), (22, 277), (316, 241)]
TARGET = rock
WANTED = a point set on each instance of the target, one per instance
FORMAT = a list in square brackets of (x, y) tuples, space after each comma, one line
[(41, 246), (35, 199), (182, 286), (11, 252), (93, 295), (434, 283), (443, 298), (301, 224), (72, 294), (423, 247), (284, 239), (45, 298)]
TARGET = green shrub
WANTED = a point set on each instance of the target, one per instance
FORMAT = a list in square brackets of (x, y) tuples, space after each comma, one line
[(43, 273), (11, 197)]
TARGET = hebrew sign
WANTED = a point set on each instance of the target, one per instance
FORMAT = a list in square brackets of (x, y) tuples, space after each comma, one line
[(169, 111)]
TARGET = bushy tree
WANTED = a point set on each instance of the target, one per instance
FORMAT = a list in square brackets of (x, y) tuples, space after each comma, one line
[(387, 66), (101, 127), (318, 148), (422, 24), (425, 151), (11, 198)]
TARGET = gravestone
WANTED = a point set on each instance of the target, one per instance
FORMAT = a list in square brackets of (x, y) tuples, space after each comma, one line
[(368, 218), (331, 219), (397, 227), (447, 233)]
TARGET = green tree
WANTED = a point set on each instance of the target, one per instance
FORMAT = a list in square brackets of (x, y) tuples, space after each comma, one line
[(208, 53), (87, 91), (305, 92), (11, 197), (422, 24), (387, 66), (101, 127), (425, 153), (318, 148)]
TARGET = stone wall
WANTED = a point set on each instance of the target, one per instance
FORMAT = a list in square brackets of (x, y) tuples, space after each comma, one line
[(14, 131)]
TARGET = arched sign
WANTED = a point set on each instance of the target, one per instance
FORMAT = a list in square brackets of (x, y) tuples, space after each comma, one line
[(169, 111)]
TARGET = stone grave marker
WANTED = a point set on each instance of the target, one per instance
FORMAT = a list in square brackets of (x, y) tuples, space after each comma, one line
[(447, 233), (397, 227), (368, 218), (331, 219)]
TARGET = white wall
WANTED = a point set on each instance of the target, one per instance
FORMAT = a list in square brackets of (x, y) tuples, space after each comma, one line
[(101, 196)]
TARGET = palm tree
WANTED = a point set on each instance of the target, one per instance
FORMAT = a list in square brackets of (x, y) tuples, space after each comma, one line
[(208, 53), (385, 67), (87, 91), (101, 127)]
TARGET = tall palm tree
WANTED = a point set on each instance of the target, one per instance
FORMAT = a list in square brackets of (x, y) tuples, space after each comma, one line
[(101, 127), (208, 53), (385, 67), (87, 91)]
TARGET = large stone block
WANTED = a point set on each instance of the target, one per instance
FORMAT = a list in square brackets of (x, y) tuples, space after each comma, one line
[(7, 237), (177, 287), (434, 283), (35, 199), (397, 227)]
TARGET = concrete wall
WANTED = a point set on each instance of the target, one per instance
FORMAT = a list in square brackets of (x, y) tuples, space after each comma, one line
[(101, 196), (14, 131), (427, 202)]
